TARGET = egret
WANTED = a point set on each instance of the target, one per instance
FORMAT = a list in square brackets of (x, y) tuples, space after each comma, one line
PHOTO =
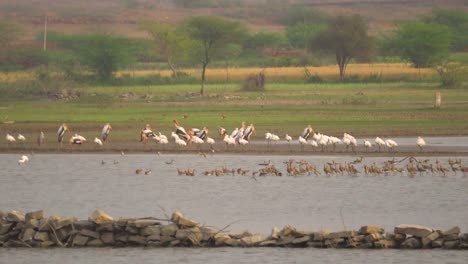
[(21, 138), (303, 142), (24, 160), (98, 141), (391, 144), (40, 138), (367, 144), (10, 138), (379, 142), (421, 143)]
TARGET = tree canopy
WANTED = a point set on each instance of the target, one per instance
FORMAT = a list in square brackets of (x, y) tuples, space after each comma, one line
[(423, 44), (211, 36), (346, 37)]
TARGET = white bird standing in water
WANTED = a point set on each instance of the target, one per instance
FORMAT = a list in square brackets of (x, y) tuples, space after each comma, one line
[(24, 160), (379, 142), (302, 141), (391, 144), (421, 143), (98, 141), (288, 138), (367, 144), (40, 138), (21, 138), (10, 138)]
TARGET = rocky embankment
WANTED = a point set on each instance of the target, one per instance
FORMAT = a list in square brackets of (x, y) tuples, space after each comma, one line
[(34, 229)]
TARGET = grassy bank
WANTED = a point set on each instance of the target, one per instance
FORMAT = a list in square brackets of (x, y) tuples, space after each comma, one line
[(386, 109)]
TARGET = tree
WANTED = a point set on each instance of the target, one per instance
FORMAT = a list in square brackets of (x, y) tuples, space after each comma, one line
[(172, 44), (264, 39), (457, 21), (346, 37), (211, 36), (301, 34), (101, 53), (423, 44)]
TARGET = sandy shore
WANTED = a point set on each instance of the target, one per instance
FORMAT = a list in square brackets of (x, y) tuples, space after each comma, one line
[(256, 148)]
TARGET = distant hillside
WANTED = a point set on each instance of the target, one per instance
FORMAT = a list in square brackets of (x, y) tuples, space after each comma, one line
[(123, 16)]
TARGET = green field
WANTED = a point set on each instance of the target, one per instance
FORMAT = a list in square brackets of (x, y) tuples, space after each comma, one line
[(384, 109)]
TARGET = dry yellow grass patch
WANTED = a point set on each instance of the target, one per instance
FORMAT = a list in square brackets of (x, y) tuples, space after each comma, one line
[(386, 70)]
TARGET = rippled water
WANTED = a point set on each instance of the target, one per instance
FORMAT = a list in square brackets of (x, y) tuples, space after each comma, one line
[(77, 184)]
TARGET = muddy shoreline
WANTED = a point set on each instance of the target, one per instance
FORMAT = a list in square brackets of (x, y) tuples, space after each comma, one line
[(255, 148)]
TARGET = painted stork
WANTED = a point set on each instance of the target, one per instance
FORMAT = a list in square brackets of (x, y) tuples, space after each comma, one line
[(307, 132), (61, 132), (146, 133), (180, 131), (105, 132), (248, 132)]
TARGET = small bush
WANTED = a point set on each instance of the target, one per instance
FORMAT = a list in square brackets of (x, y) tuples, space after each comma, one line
[(254, 83), (309, 78), (452, 74)]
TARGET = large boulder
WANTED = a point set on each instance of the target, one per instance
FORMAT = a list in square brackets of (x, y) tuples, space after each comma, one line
[(100, 217), (15, 216), (28, 234), (151, 230), (411, 243), (5, 228), (372, 229), (251, 241), (108, 238), (42, 236), (80, 240), (413, 230), (452, 231), (142, 223), (427, 240), (169, 230), (38, 215), (178, 218)]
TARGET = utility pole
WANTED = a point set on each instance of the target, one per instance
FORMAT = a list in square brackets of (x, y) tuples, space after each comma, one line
[(45, 32)]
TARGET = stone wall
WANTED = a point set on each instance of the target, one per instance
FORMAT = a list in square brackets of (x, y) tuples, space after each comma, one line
[(34, 229)]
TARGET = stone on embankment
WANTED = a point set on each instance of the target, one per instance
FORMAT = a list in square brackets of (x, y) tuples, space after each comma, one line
[(220, 238), (464, 237), (154, 237), (104, 228), (371, 238), (38, 215), (427, 240), (341, 234), (438, 243), (452, 244), (95, 243), (169, 230), (285, 241), (384, 243), (287, 231), (232, 242), (451, 237), (2, 214), (5, 228), (15, 216), (83, 224), (108, 238), (32, 223), (123, 238), (178, 218), (4, 238), (28, 234), (251, 241), (140, 240), (275, 233), (42, 236), (132, 230), (452, 231), (80, 240), (267, 243), (100, 217), (411, 243), (372, 229), (151, 230), (142, 223), (301, 241), (64, 222), (89, 233), (315, 244), (208, 232), (413, 230)]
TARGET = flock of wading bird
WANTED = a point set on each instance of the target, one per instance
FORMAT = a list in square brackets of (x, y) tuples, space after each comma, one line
[(357, 167), (239, 136)]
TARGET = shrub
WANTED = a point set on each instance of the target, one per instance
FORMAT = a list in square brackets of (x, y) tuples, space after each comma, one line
[(254, 83)]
